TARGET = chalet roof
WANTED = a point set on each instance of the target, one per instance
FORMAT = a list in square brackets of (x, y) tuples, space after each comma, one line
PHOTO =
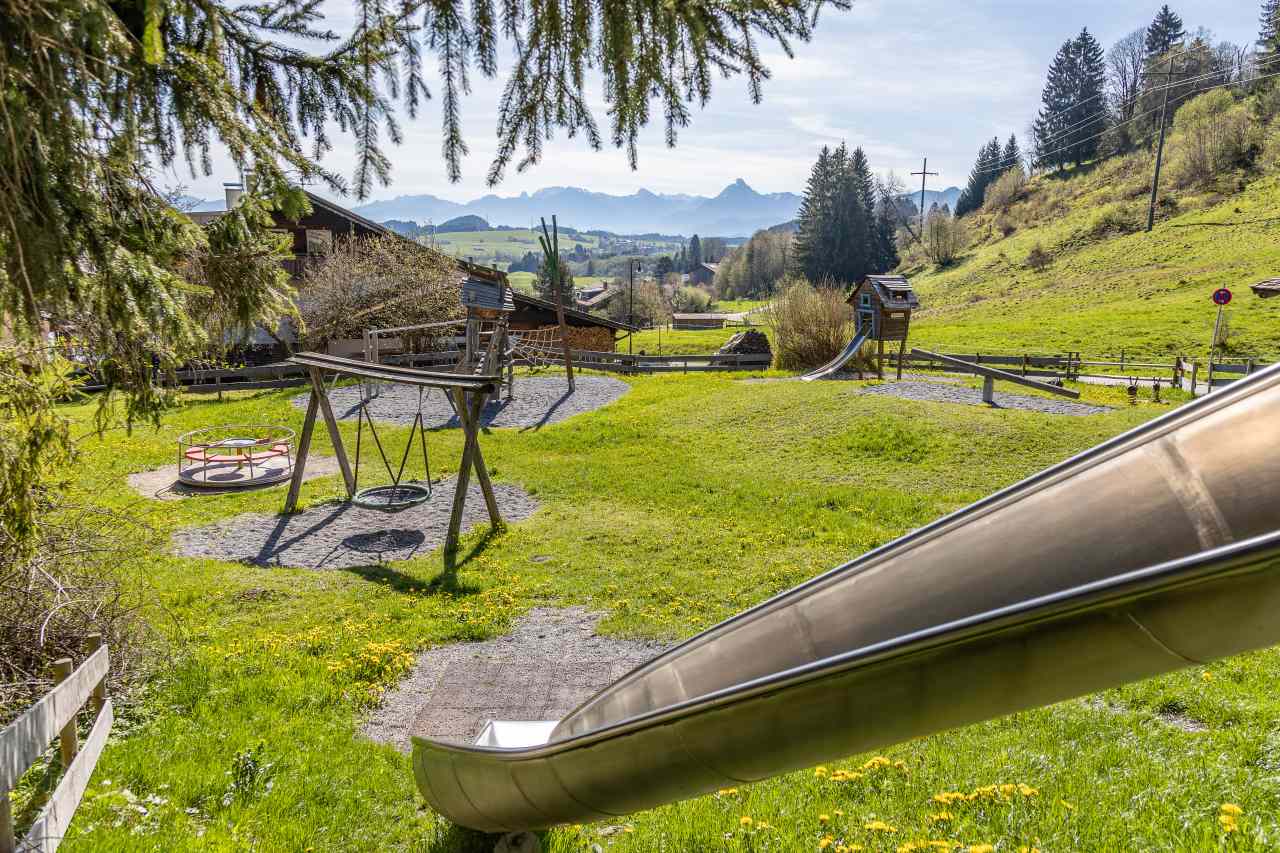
[(487, 293), (1266, 289), (600, 297), (700, 316), (710, 266)]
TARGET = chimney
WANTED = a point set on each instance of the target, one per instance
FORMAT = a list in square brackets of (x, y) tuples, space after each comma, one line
[(233, 190)]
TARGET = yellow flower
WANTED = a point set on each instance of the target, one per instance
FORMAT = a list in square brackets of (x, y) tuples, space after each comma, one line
[(1025, 849), (1228, 822), (824, 818), (879, 826), (942, 845), (948, 797), (838, 813), (1026, 790), (939, 817), (764, 824), (900, 765), (1066, 805), (1206, 676), (824, 842), (726, 792), (745, 821), (982, 848), (875, 763), (1231, 809)]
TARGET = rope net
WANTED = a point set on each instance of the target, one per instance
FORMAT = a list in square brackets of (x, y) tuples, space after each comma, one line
[(538, 348)]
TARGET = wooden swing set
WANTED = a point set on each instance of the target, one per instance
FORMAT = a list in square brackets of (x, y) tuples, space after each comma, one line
[(468, 391)]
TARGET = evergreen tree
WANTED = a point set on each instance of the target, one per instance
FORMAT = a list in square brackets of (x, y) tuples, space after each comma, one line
[(1010, 155), (845, 227), (1269, 35), (1163, 33), (886, 245), (1056, 100), (986, 168), (1088, 114), (815, 211), (695, 253)]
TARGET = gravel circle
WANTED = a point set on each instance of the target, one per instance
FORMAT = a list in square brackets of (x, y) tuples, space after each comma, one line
[(936, 393), (550, 663), (539, 400), (342, 535)]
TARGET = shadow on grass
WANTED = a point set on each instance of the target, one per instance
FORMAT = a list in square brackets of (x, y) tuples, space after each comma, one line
[(457, 839)]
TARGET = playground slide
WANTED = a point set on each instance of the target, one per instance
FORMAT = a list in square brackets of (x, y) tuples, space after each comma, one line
[(1156, 550), (839, 361)]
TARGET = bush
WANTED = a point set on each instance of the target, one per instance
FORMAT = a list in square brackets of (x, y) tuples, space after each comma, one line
[(377, 283), (1214, 135), (1038, 259), (1005, 190), (944, 238), (690, 300), (811, 325), (1115, 218)]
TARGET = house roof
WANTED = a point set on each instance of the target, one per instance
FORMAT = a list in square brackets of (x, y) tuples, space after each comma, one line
[(598, 298), (1266, 289), (546, 304), (711, 267), (700, 316)]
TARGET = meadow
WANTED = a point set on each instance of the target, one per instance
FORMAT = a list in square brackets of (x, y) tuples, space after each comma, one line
[(687, 500)]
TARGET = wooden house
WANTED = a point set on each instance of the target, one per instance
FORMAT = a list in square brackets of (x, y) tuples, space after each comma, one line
[(703, 274), (882, 306)]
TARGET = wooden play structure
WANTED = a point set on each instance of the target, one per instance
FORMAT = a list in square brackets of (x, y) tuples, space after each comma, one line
[(468, 389), (882, 306), (990, 375)]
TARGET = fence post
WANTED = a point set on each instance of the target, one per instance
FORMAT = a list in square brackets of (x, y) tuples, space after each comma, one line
[(68, 743), (1195, 369), (1024, 364), (1248, 367), (8, 843), (94, 642)]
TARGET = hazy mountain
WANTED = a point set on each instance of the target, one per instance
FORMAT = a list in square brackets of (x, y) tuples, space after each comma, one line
[(947, 197), (738, 211)]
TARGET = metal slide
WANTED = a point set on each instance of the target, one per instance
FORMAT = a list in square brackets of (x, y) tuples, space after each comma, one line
[(842, 359), (1156, 550)]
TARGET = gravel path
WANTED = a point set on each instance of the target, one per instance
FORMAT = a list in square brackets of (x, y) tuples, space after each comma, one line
[(549, 664), (936, 393), (341, 535), (539, 400)]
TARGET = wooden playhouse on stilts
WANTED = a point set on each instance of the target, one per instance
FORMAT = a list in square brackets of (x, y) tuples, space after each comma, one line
[(883, 304)]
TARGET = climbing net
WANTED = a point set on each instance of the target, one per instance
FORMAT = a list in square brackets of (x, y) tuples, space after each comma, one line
[(538, 348)]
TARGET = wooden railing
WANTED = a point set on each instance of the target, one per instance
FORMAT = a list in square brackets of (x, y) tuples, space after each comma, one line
[(26, 739)]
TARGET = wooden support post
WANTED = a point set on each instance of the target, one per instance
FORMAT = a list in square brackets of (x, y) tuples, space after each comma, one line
[(477, 459), (300, 457), (99, 695), (335, 437), (469, 416), (988, 389), (68, 742), (1195, 369), (880, 358), (902, 349)]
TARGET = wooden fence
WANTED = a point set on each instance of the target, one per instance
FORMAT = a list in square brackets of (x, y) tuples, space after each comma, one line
[(615, 362), (26, 739)]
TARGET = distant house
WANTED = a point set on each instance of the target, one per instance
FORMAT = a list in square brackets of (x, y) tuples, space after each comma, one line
[(698, 321), (703, 274), (314, 236)]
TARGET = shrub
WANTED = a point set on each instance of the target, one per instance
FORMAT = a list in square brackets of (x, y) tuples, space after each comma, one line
[(810, 324), (1038, 259), (691, 300), (944, 238), (1114, 218), (1005, 190), (377, 283), (1214, 136)]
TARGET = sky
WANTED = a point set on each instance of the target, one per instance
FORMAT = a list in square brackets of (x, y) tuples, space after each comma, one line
[(905, 80)]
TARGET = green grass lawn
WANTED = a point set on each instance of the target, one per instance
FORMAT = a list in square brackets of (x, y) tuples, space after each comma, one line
[(1148, 294), (669, 341), (733, 306), (687, 500)]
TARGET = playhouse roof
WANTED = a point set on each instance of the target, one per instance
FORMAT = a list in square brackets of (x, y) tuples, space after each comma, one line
[(894, 291)]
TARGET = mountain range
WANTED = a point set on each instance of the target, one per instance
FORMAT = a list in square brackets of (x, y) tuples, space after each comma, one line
[(738, 210)]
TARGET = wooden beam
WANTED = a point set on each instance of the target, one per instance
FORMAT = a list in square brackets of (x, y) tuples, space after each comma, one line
[(992, 373), (477, 460), (392, 373), (51, 826), (300, 457), (464, 475), (331, 423)]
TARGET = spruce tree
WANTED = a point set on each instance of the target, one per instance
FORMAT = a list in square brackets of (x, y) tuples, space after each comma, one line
[(1088, 114), (986, 168), (1010, 155), (1163, 33), (1268, 36), (695, 253), (1056, 100), (815, 209)]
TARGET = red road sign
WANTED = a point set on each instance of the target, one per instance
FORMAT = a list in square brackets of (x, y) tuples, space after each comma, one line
[(1221, 296)]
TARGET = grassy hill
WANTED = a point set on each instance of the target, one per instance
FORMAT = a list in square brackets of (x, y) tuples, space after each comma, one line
[(1110, 285)]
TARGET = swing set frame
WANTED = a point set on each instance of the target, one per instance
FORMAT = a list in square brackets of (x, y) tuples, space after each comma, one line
[(469, 392)]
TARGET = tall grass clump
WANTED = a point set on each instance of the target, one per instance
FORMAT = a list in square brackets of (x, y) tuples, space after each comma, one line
[(810, 324)]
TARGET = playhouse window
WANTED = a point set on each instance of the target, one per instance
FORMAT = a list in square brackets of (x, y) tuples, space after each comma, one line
[(865, 300)]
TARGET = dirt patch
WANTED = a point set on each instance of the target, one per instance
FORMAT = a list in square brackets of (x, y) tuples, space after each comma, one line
[(538, 401), (342, 535), (550, 663), (935, 393), (162, 484)]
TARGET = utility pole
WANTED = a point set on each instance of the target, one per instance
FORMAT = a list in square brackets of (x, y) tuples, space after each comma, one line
[(1155, 177), (631, 304), (924, 174)]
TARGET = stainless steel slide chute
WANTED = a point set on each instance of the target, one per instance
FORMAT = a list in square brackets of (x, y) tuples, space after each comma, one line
[(1156, 550), (842, 359)]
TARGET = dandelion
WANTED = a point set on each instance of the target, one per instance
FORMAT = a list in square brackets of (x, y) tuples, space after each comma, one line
[(942, 845), (876, 763), (900, 765), (1206, 676), (941, 817), (726, 792), (824, 818), (745, 821), (1231, 809), (948, 797), (1228, 823), (838, 813), (982, 848), (1026, 790), (825, 841), (1025, 849), (879, 826), (820, 771)]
